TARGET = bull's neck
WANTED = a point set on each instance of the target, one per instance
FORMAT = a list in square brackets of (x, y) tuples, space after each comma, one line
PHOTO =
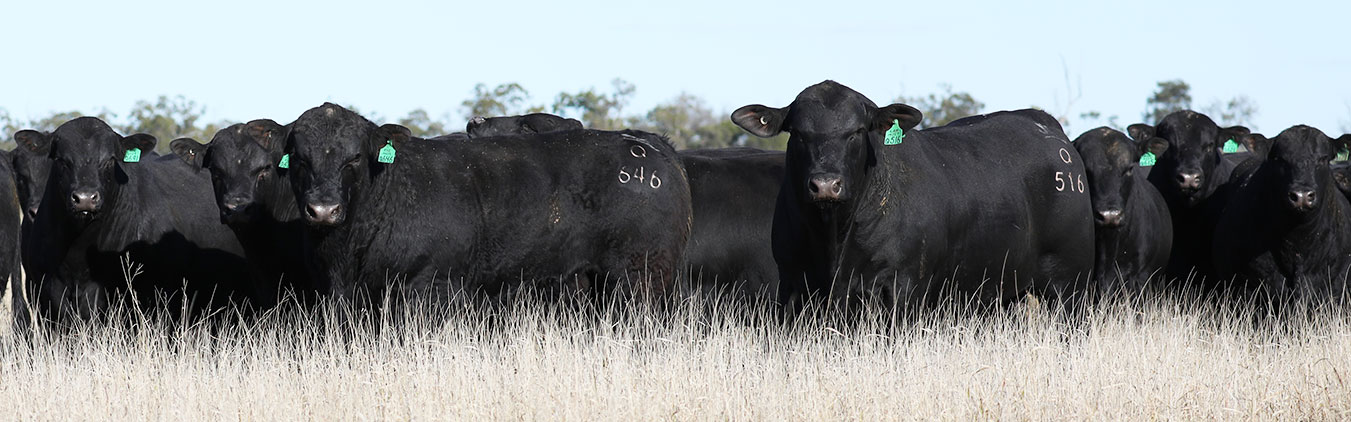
[(338, 251), (841, 222)]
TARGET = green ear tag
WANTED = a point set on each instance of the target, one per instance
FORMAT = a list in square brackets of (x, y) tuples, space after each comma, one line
[(386, 153), (285, 162), (894, 135), (1342, 155), (133, 156), (1230, 146), (1147, 159)]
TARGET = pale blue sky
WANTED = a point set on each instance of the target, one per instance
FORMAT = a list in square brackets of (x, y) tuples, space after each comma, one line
[(252, 59)]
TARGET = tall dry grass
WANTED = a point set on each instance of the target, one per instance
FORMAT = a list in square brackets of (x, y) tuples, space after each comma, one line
[(694, 360)]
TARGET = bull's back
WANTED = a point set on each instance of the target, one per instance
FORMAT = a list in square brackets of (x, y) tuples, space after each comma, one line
[(733, 194), (538, 207), (1026, 189)]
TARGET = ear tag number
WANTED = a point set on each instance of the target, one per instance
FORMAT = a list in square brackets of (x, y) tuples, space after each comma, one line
[(1230, 146), (894, 135), (133, 156), (386, 153), (1147, 160), (285, 162)]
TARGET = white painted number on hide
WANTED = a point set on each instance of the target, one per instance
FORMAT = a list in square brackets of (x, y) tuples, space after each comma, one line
[(651, 179), (1065, 179)]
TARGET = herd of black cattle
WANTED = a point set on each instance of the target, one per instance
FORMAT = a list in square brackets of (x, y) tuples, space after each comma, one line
[(860, 207)]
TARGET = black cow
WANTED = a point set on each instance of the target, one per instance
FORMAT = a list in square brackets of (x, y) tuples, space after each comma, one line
[(480, 127), (1286, 228), (254, 198), (31, 165), (1188, 173), (734, 191), (992, 205), (1132, 229), (577, 209), (112, 216), (11, 214)]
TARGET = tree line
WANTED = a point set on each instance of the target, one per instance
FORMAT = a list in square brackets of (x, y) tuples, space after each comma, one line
[(686, 118)]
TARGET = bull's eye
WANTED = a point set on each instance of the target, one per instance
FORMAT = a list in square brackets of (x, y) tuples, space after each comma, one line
[(352, 163)]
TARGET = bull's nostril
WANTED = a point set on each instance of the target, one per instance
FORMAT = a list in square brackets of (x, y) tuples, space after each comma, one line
[(325, 214), (836, 187)]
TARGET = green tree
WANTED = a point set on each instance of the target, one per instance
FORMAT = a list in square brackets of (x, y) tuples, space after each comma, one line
[(1171, 96), (1239, 110), (504, 100), (44, 124), (170, 118), (597, 110), (681, 119), (728, 134), (942, 108), (422, 125)]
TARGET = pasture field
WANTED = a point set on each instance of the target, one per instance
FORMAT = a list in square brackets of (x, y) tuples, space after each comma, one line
[(697, 359)]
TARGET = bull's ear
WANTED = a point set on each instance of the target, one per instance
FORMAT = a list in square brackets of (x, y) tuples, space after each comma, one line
[(1154, 144), (267, 133), (570, 124), (388, 139), (1140, 132), (1341, 147), (191, 151), (473, 124), (759, 120), (33, 141), (1256, 143), (396, 133), (142, 142), (1231, 133), (900, 114), (545, 122), (1339, 176)]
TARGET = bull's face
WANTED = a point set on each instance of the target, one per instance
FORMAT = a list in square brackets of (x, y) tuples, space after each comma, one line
[(1193, 153), (833, 135), (1299, 166), (32, 164), (1110, 159), (87, 159), (333, 154), (243, 161)]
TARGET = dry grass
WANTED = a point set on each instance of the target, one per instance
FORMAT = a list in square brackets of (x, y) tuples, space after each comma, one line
[(1160, 359)]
